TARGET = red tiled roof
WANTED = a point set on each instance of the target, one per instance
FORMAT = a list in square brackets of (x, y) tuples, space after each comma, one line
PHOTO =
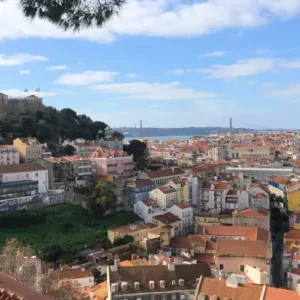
[(165, 173), (278, 179), (150, 202), (293, 234), (131, 228), (280, 294), (167, 218), (240, 248), (30, 167), (232, 193), (252, 212), (260, 196), (75, 273)]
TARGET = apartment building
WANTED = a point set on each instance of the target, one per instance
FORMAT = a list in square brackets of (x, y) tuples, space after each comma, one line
[(147, 209), (182, 186), (20, 184), (83, 148), (185, 212), (212, 195), (9, 155), (139, 189), (245, 151), (161, 177), (30, 149), (165, 196), (252, 217), (155, 281), (169, 219), (139, 231)]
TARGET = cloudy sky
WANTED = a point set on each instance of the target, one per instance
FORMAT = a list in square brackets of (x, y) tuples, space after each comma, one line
[(170, 63)]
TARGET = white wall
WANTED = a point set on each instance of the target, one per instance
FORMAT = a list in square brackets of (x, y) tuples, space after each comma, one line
[(41, 176)]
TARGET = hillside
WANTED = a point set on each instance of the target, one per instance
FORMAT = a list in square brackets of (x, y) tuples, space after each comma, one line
[(49, 125)]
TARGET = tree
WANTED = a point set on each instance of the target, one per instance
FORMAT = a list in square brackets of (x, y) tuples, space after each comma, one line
[(140, 153), (72, 14), (123, 241), (69, 150), (12, 250), (102, 198), (52, 254)]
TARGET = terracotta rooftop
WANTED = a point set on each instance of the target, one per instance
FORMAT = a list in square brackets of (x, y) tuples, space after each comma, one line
[(165, 173), (131, 228), (232, 193), (75, 273), (242, 248), (260, 196), (180, 242), (21, 168), (280, 294), (293, 234), (140, 182), (278, 179), (167, 189), (214, 287), (150, 202), (167, 218), (252, 212), (11, 289), (145, 274), (8, 146), (183, 205), (249, 232)]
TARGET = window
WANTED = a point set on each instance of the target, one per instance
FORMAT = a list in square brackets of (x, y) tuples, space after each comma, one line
[(242, 268), (152, 297), (221, 267), (163, 297), (174, 296), (27, 175), (36, 174)]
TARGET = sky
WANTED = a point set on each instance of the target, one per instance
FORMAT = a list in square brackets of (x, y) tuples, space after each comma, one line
[(170, 63)]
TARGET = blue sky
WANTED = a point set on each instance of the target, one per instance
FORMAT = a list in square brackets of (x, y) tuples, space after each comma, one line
[(170, 63)]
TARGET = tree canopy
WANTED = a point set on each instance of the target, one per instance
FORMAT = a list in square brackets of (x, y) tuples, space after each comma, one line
[(71, 14), (50, 124), (140, 153)]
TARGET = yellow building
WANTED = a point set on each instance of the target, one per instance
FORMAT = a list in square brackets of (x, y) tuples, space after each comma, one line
[(294, 201), (138, 231), (182, 187), (245, 151), (30, 149), (206, 219)]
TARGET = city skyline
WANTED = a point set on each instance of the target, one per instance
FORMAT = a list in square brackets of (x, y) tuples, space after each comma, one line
[(172, 63)]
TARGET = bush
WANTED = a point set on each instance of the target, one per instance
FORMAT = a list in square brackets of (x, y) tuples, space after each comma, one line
[(123, 241), (23, 219)]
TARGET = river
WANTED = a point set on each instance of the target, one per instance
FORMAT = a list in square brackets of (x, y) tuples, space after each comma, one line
[(161, 138)]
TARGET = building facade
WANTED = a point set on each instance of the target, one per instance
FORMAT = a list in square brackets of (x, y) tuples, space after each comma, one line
[(139, 189), (161, 177), (30, 149), (186, 213), (165, 196), (9, 155)]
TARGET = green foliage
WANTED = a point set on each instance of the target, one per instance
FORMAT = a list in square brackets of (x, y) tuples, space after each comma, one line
[(140, 153), (42, 237), (123, 241), (52, 253), (102, 198), (50, 124), (72, 14), (69, 150), (22, 219)]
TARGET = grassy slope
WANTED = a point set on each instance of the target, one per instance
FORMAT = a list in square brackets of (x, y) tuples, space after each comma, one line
[(50, 233)]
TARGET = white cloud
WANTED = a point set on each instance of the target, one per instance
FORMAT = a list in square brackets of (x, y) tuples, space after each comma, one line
[(291, 65), (25, 72), (268, 84), (215, 54), (157, 18), (131, 75), (21, 93), (291, 92), (178, 72), (57, 68), (154, 91), (86, 78), (241, 68), (20, 58)]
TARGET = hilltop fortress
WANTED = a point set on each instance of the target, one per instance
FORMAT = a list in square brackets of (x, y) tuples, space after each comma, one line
[(30, 104)]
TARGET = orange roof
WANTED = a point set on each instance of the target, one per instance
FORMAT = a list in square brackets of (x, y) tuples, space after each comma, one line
[(222, 185), (280, 294), (260, 196), (75, 273), (252, 212), (278, 179), (100, 291), (134, 263), (240, 248), (293, 234)]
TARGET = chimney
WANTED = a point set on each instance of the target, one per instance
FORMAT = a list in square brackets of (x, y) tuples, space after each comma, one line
[(171, 267), (82, 269), (172, 170), (151, 260), (203, 230), (117, 262)]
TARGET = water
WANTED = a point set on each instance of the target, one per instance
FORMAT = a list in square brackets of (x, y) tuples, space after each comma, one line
[(161, 138)]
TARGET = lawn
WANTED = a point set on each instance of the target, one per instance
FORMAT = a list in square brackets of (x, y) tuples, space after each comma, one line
[(85, 229)]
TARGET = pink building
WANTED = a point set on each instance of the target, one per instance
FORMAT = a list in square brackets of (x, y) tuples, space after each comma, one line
[(113, 162)]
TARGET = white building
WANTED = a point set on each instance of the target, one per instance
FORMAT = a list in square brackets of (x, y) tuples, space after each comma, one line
[(165, 196), (79, 277), (146, 209), (9, 155), (20, 184), (185, 212), (293, 280)]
